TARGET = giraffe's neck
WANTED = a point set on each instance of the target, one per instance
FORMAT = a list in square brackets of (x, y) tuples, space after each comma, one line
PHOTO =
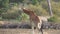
[(34, 18), (32, 15)]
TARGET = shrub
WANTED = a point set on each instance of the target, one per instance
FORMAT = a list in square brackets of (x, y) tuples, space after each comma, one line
[(24, 17), (53, 19), (10, 15)]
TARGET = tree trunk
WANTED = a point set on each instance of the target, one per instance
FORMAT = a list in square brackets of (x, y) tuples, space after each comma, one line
[(49, 8)]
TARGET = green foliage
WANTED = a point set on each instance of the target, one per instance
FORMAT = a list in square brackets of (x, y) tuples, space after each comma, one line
[(24, 17), (10, 15), (0, 18), (40, 7), (54, 19), (4, 3), (34, 2), (16, 1), (56, 8)]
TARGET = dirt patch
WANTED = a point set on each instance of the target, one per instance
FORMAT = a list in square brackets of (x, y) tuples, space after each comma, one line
[(27, 31)]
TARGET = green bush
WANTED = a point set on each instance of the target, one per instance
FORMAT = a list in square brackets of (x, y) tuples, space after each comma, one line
[(24, 17), (53, 19), (0, 18), (10, 15)]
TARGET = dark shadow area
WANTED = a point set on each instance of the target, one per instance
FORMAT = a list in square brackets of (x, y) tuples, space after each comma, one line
[(27, 26)]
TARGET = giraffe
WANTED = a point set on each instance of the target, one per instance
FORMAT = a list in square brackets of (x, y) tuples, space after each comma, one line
[(34, 19)]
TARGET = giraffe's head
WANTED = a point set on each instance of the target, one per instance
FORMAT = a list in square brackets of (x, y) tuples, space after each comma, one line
[(25, 10), (28, 11)]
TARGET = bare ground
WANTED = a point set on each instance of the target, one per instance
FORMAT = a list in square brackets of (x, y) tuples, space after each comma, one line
[(27, 31)]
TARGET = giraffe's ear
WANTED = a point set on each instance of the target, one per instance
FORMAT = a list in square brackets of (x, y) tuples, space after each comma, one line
[(24, 8)]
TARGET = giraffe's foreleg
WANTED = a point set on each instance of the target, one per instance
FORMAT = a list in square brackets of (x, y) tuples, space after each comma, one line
[(33, 28)]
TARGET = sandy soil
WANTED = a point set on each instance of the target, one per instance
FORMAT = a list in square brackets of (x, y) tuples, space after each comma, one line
[(27, 31)]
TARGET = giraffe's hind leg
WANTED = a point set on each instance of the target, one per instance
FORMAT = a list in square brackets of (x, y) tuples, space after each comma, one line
[(40, 28)]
